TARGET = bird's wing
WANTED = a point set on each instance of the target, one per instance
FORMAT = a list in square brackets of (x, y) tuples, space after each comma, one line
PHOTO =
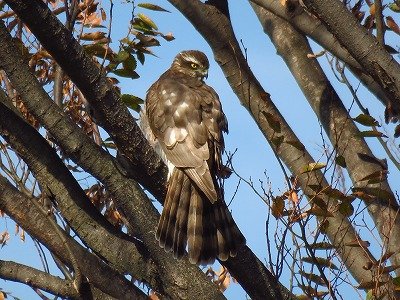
[(183, 120)]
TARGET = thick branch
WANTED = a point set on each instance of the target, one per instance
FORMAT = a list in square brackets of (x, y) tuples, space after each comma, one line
[(219, 34), (102, 276), (313, 28), (363, 46), (109, 111), (174, 278), (20, 273), (339, 126)]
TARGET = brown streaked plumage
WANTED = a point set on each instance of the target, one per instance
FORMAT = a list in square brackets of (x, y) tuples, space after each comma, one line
[(186, 123)]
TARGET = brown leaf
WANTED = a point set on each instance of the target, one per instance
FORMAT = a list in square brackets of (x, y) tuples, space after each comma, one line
[(392, 25), (367, 285), (277, 207), (372, 10), (293, 197), (317, 211), (358, 243)]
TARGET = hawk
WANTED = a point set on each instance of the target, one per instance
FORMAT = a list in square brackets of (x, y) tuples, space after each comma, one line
[(185, 121)]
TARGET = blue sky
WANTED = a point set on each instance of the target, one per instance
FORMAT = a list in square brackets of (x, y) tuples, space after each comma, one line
[(254, 156)]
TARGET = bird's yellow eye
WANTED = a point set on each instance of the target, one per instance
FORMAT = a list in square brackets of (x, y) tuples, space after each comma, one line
[(194, 66)]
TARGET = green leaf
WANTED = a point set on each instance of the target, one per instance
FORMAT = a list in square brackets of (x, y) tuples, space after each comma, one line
[(324, 262), (152, 7), (313, 167), (273, 122), (140, 25), (340, 161), (132, 101), (394, 7), (371, 133), (366, 120), (126, 73), (99, 50), (129, 63), (147, 21), (121, 56)]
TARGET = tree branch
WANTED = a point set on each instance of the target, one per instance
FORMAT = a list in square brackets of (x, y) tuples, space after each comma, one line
[(20, 273), (174, 278), (313, 28), (340, 128), (218, 32), (109, 111), (363, 46), (102, 276)]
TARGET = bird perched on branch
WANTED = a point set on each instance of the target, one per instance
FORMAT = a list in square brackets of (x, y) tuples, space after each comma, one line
[(184, 120)]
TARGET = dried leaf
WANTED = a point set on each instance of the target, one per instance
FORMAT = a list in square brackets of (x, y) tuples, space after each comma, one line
[(358, 243), (386, 256), (346, 209), (317, 211), (392, 25), (377, 175), (318, 201), (168, 37), (367, 285), (277, 207), (103, 14), (277, 140), (372, 10), (373, 160), (273, 122), (293, 196), (297, 144)]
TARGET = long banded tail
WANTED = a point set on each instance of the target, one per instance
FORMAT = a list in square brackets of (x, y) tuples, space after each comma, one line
[(190, 219)]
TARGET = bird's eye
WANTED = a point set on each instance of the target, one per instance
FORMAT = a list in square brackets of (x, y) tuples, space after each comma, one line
[(194, 66)]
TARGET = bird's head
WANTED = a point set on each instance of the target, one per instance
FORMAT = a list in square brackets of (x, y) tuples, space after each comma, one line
[(193, 63)]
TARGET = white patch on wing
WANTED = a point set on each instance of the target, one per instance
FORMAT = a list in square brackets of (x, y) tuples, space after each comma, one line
[(163, 92), (184, 105), (168, 102), (170, 166), (173, 94)]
